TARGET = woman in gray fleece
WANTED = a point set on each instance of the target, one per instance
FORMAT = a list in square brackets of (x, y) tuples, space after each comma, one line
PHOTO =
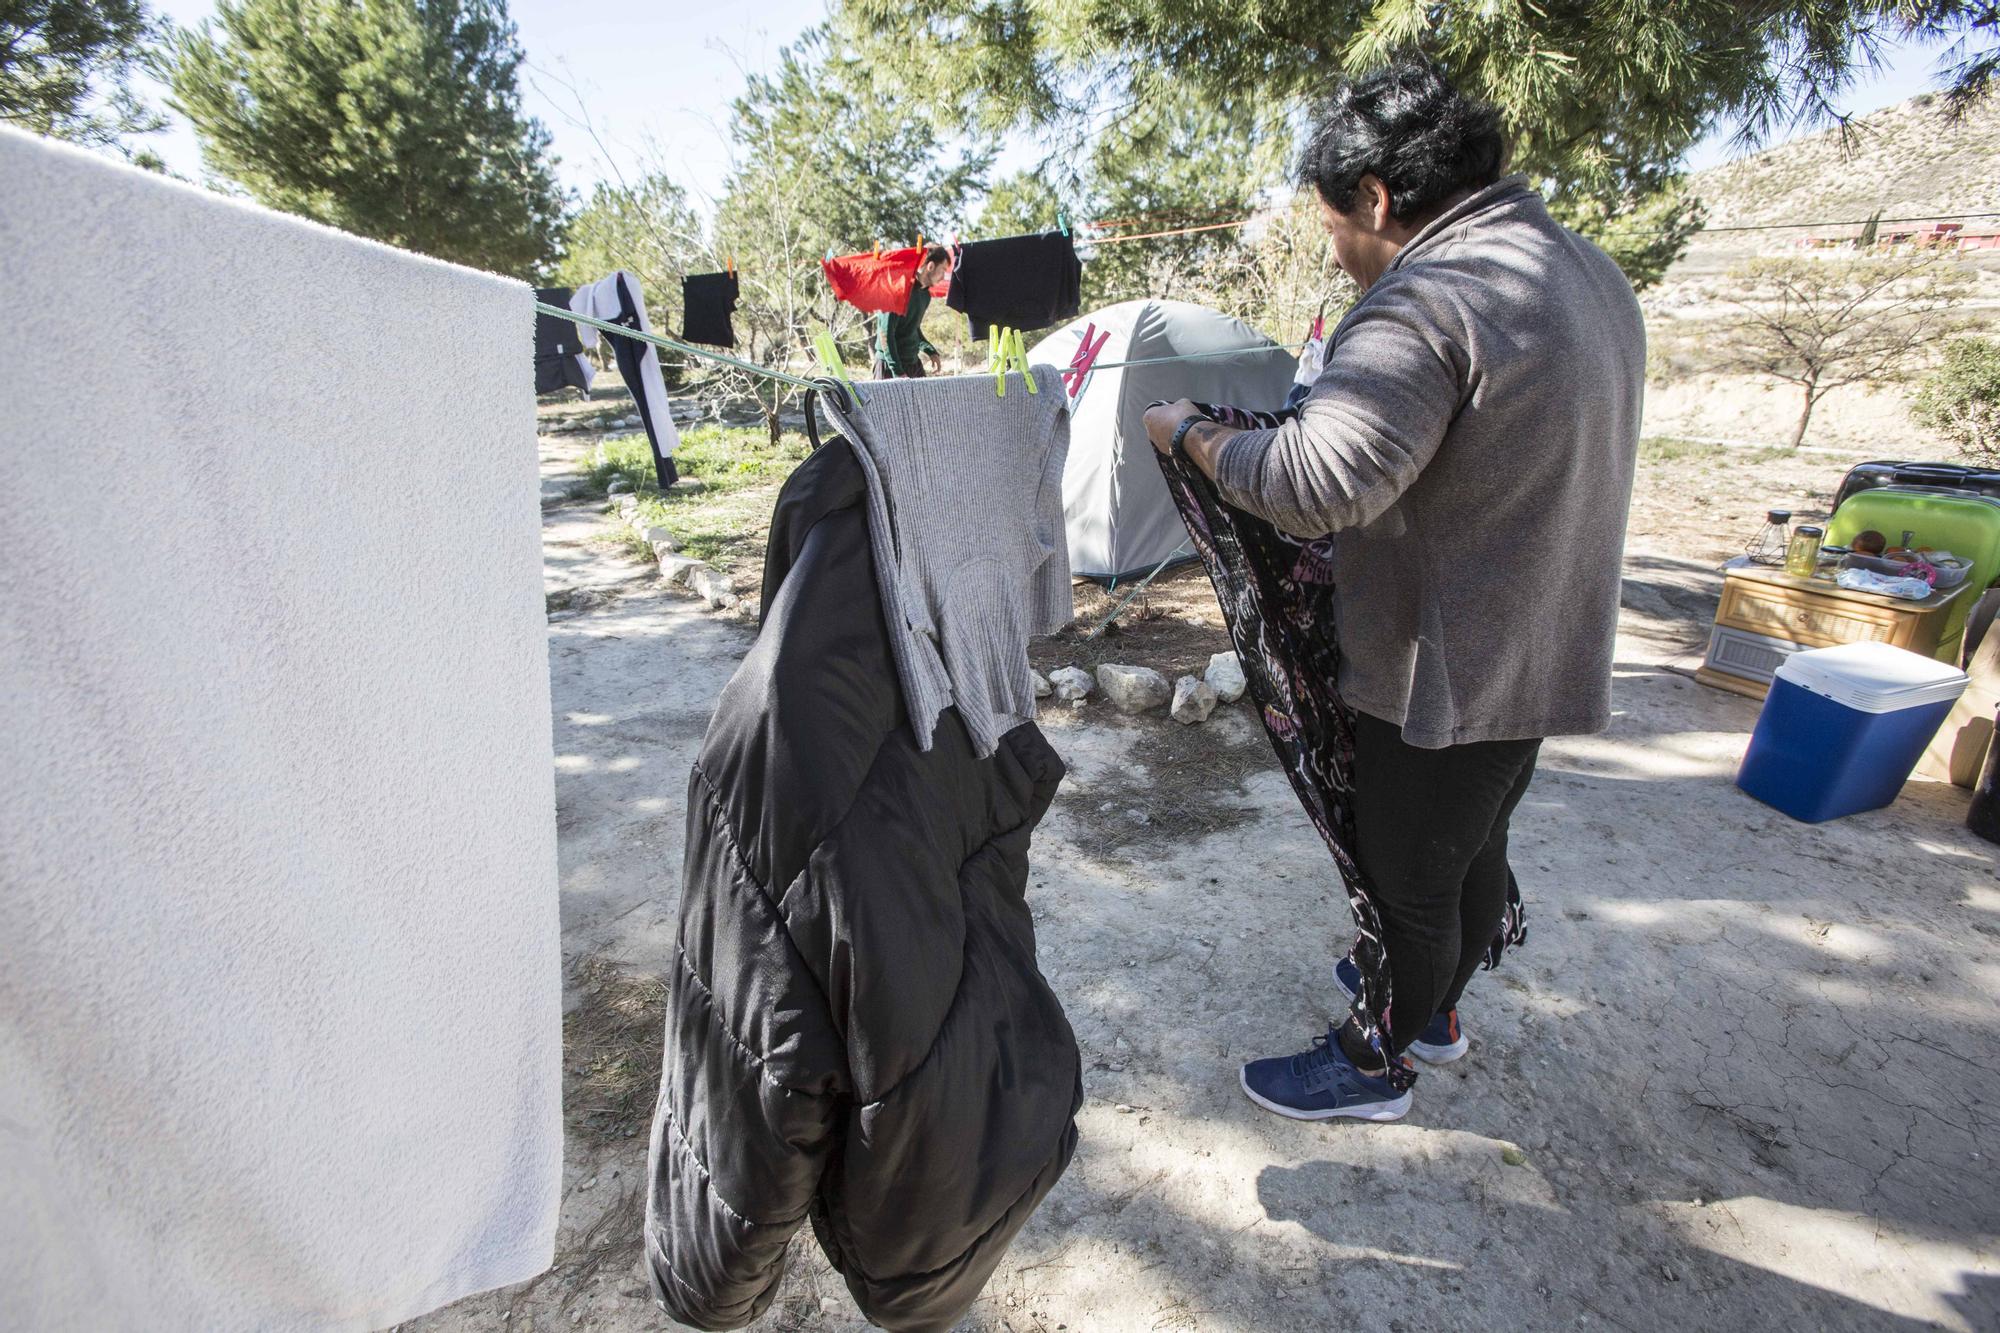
[(1471, 440)]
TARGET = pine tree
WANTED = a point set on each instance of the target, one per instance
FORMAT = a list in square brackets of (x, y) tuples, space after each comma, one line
[(395, 119), (66, 67), (1600, 97)]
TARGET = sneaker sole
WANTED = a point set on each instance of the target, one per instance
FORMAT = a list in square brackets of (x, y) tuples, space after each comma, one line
[(1438, 1055), (1430, 1055), (1378, 1112)]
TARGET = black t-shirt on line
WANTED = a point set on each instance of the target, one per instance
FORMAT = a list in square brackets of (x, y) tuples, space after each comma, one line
[(1017, 282), (707, 299)]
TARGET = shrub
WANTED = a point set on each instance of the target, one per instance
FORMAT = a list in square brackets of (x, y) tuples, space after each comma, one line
[(1961, 399)]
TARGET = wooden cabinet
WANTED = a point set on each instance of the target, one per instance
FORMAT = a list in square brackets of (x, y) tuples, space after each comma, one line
[(1766, 614)]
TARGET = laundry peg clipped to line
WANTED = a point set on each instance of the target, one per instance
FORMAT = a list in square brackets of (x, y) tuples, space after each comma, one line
[(1021, 359), (1010, 352), (828, 353)]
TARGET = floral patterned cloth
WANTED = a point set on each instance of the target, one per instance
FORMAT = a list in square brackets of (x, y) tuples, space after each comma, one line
[(1277, 596)]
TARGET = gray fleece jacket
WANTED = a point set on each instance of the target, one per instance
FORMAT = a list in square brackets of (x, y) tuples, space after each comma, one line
[(1472, 441)]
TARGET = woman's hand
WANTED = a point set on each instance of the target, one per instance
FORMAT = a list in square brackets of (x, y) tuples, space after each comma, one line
[(1164, 420)]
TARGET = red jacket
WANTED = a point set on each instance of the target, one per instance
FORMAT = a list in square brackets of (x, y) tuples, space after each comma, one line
[(877, 283)]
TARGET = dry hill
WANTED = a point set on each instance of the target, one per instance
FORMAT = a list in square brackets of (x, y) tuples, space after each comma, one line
[(1908, 160)]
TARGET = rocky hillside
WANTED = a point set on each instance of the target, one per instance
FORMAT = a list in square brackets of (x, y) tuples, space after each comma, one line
[(1908, 160)]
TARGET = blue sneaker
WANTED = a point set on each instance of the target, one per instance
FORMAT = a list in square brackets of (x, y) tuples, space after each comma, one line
[(1320, 1084), (1439, 1043)]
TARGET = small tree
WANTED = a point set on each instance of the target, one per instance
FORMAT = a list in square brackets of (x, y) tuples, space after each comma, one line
[(396, 119), (1961, 399), (648, 230), (1823, 324), (1277, 274), (66, 68)]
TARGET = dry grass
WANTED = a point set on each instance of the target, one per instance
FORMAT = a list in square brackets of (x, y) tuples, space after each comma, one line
[(1173, 627), (1183, 784), (611, 1051)]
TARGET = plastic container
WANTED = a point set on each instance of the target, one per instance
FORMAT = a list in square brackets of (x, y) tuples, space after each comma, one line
[(1843, 728), (1802, 556)]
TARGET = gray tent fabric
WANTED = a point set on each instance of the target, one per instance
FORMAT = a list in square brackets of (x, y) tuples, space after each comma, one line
[(1120, 519)]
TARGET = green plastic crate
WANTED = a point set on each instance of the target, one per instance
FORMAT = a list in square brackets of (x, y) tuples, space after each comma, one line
[(1966, 525)]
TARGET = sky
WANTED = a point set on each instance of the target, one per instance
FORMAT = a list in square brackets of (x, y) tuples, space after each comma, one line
[(658, 78)]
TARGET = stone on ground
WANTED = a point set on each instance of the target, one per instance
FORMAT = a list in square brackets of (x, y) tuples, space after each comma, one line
[(1133, 689), (678, 569), (1042, 686), (1194, 700), (618, 486), (657, 536), (1071, 683), (712, 585), (1225, 677)]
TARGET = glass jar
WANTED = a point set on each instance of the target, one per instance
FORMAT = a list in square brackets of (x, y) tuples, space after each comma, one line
[(1802, 556), (1768, 546)]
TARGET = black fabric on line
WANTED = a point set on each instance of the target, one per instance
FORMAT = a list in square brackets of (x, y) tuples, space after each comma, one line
[(1017, 282), (557, 346), (630, 352), (707, 300)]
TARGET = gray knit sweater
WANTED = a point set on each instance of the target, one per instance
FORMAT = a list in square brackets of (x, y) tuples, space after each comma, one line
[(966, 520), (1472, 440)]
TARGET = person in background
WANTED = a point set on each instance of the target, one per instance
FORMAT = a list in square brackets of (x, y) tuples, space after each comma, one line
[(1471, 439), (899, 339)]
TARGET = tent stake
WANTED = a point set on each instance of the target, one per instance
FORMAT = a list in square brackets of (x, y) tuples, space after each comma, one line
[(1126, 600)]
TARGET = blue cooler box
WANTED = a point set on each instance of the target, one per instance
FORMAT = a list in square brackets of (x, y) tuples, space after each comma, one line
[(1843, 727)]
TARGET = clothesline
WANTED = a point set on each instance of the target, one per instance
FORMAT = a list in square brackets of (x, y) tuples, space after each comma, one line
[(672, 344), (783, 377), (1638, 231)]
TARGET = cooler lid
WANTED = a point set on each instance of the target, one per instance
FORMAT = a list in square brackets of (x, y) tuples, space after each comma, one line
[(1873, 677)]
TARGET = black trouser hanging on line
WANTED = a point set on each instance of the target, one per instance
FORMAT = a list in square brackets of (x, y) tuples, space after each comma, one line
[(1430, 832), (629, 352)]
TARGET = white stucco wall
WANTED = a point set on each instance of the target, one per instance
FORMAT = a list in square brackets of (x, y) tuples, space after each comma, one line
[(279, 956)]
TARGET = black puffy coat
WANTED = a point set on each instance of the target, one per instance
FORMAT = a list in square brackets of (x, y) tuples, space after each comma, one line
[(856, 1028)]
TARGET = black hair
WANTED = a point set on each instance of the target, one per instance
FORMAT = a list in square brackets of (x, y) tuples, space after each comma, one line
[(937, 254), (1408, 127)]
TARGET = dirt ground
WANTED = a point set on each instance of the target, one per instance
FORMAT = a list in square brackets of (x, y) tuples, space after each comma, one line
[(1743, 1073)]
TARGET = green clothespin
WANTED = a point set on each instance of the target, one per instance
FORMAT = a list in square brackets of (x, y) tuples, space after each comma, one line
[(996, 342), (1021, 359), (828, 353)]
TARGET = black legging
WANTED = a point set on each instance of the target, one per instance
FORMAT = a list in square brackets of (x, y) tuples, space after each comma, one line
[(1430, 832)]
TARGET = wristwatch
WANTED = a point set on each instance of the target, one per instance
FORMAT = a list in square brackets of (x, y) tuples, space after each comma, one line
[(1180, 433)]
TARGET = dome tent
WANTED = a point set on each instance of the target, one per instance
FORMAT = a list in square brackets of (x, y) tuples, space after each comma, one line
[(1120, 519)]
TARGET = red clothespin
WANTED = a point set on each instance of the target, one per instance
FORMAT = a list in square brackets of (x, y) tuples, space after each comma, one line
[(1086, 356)]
